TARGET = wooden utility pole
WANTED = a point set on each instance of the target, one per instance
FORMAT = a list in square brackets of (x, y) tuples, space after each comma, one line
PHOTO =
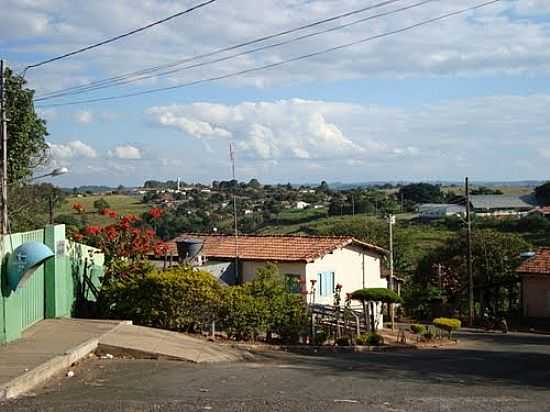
[(4, 150), (391, 221), (235, 219), (469, 254)]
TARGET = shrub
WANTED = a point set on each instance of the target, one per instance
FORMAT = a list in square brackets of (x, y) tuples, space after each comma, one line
[(243, 316), (376, 295), (418, 329), (320, 338), (178, 299), (428, 334), (370, 339), (447, 324), (343, 341)]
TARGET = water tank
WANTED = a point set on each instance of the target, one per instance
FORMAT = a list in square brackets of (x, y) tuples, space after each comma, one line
[(189, 248)]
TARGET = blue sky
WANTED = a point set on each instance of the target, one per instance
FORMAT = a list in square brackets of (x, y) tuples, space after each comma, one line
[(465, 96)]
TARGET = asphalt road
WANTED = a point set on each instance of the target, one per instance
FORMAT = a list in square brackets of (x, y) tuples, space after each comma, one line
[(485, 372)]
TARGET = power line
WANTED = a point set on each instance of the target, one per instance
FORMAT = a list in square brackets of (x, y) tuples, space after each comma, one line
[(116, 79), (120, 36), (281, 63), (247, 52)]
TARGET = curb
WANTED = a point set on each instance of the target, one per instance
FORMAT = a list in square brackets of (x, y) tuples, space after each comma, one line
[(305, 349), (37, 376)]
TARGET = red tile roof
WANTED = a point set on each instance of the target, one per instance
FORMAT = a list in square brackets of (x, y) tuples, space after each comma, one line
[(271, 247), (542, 210), (538, 264)]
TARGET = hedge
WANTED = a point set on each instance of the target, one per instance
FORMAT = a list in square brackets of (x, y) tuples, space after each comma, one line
[(376, 295), (447, 324)]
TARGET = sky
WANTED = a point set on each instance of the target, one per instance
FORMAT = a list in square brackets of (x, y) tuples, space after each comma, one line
[(464, 96)]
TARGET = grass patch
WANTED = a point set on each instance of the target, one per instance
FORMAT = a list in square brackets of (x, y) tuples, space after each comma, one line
[(122, 204)]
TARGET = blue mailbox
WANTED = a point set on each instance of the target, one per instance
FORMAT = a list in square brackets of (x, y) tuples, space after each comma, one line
[(24, 260)]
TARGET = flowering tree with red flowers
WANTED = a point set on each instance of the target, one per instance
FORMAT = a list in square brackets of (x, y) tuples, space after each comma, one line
[(126, 242)]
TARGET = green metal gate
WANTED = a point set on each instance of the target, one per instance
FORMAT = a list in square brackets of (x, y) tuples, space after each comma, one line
[(31, 296)]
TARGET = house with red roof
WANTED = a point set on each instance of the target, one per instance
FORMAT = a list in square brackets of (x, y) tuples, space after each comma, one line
[(325, 260), (535, 280)]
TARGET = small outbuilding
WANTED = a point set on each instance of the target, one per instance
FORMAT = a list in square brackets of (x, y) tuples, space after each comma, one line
[(535, 281)]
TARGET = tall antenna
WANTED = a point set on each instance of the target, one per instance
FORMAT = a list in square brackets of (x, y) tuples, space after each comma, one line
[(235, 220)]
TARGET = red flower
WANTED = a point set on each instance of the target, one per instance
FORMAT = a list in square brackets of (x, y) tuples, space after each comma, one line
[(313, 282), (348, 296), (93, 230), (155, 212), (77, 236), (129, 219), (78, 207), (108, 212), (338, 286)]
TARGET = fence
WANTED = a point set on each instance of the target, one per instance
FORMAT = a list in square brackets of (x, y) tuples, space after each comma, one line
[(55, 288)]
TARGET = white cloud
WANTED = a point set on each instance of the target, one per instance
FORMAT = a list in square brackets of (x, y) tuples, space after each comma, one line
[(71, 150), (501, 38), (285, 129), (125, 152), (84, 117), (480, 136)]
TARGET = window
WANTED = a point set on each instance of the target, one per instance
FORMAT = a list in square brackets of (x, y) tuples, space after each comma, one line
[(325, 283), (293, 284)]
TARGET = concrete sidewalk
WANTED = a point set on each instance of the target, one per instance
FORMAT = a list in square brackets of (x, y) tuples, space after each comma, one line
[(142, 342), (45, 350), (52, 345)]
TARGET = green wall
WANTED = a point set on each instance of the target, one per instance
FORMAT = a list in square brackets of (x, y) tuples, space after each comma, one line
[(53, 289)]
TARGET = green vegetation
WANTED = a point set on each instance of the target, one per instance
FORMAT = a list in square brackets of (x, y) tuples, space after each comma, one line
[(121, 204), (543, 194), (376, 295), (418, 329), (370, 339), (186, 299), (179, 299), (27, 148), (447, 324)]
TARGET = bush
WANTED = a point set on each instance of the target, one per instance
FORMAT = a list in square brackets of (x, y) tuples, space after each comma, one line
[(343, 341), (376, 295), (428, 334), (242, 315), (370, 339), (178, 299), (418, 329), (447, 324), (320, 338)]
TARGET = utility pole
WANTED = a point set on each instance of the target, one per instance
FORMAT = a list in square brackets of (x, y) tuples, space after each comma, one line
[(391, 222), (469, 254), (235, 220), (4, 150)]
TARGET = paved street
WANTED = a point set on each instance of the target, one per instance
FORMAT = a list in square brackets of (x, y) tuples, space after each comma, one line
[(486, 372)]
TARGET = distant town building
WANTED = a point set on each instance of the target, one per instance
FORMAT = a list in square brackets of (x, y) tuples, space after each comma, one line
[(302, 205), (502, 205), (439, 210)]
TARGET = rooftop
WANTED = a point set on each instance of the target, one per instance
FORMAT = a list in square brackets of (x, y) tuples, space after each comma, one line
[(538, 264), (278, 248), (502, 201)]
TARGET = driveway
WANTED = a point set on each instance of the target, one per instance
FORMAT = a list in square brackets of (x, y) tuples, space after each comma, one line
[(485, 372)]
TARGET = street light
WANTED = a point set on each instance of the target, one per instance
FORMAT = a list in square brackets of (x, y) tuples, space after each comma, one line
[(52, 199), (54, 173)]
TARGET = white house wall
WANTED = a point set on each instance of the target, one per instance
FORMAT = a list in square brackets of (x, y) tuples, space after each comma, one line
[(353, 268)]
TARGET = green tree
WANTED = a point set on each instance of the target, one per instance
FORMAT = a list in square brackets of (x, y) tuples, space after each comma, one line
[(421, 193), (542, 194), (27, 148), (101, 204), (29, 205), (496, 256), (254, 184)]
